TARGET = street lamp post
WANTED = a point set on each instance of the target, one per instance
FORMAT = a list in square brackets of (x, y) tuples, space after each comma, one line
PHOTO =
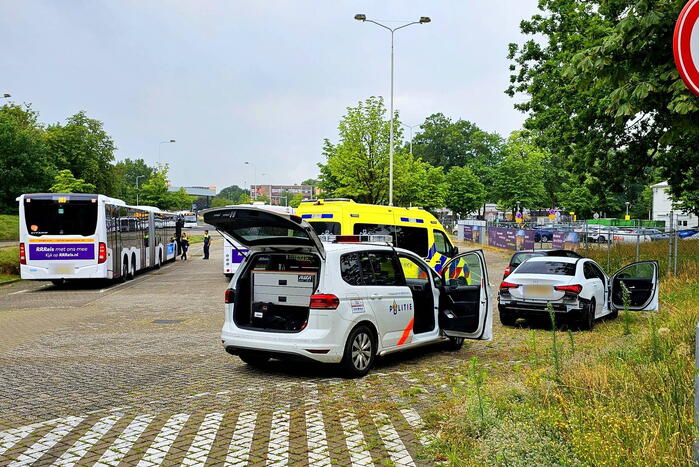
[(254, 178), (411, 135), (160, 145), (422, 20), (137, 188)]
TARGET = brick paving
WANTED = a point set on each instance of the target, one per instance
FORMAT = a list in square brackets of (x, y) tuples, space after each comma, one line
[(134, 374)]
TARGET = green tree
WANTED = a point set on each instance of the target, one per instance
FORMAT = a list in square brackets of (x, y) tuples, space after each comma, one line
[(232, 193), (244, 199), (579, 196), (65, 182), (220, 201), (295, 200), (129, 175), (418, 183), (155, 192), (521, 174), (84, 147), (464, 191), (603, 93), (310, 181), (25, 166), (357, 166)]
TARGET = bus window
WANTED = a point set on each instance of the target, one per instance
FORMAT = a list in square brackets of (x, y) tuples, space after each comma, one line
[(441, 243), (321, 228), (49, 217), (413, 239)]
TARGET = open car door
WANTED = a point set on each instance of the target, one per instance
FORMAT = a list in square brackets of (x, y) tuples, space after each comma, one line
[(257, 229), (464, 302), (641, 280)]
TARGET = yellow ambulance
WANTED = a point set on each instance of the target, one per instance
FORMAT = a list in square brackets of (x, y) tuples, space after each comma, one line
[(411, 228)]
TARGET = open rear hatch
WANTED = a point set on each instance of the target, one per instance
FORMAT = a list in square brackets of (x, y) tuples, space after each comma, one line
[(257, 229), (273, 292)]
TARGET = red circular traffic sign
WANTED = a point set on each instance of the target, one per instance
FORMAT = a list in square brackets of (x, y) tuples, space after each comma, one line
[(686, 45)]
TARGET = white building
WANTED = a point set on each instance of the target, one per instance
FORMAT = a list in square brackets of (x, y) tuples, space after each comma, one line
[(662, 205)]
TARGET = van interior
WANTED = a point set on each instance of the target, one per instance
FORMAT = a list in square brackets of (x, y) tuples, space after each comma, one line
[(280, 304)]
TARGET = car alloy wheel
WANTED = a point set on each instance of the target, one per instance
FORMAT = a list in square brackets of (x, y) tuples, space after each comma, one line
[(361, 351)]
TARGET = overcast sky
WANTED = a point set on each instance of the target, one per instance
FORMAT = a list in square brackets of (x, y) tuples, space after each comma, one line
[(260, 81)]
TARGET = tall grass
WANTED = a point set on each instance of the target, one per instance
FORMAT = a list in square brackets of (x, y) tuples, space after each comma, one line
[(622, 253), (9, 261), (620, 400), (9, 227)]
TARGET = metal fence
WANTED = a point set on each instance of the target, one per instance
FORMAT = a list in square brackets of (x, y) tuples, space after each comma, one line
[(611, 247)]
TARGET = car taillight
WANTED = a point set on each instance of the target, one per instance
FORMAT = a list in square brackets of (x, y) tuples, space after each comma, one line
[(101, 253), (508, 285), (22, 254), (573, 289), (324, 302), (508, 270), (229, 297)]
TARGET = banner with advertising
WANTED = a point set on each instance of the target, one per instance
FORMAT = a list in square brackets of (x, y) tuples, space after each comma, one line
[(566, 240), (61, 251), (511, 239), (472, 233)]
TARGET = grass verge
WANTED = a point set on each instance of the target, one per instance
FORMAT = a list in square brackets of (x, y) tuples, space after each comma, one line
[(590, 398), (9, 227), (9, 264)]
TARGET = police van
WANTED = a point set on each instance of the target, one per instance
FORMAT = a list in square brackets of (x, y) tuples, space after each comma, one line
[(295, 297), (413, 229), (233, 252)]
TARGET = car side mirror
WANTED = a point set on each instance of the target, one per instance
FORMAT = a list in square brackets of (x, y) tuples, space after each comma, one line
[(454, 251)]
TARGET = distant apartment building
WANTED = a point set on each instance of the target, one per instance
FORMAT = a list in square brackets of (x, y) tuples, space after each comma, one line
[(662, 206), (276, 193)]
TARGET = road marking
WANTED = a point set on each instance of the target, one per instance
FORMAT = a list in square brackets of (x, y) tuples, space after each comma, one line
[(359, 454), (201, 445), (19, 291), (13, 436), (86, 441), (38, 449), (121, 446), (317, 441), (164, 441), (413, 418), (241, 442), (278, 448), (391, 440)]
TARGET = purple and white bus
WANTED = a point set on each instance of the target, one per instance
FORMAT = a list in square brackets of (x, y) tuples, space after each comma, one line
[(66, 236)]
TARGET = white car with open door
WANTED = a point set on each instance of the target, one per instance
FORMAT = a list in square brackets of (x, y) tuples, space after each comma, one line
[(346, 302), (577, 289)]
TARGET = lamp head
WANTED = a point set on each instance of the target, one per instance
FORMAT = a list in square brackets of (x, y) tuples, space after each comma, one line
[(424, 19), (360, 17)]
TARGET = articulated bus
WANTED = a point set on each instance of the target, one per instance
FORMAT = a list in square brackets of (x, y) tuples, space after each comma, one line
[(66, 236)]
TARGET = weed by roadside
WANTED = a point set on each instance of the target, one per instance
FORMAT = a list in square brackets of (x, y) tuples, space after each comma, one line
[(9, 263), (9, 227)]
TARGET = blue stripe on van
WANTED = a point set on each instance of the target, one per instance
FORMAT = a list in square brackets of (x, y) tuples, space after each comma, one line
[(326, 216), (409, 219), (306, 216)]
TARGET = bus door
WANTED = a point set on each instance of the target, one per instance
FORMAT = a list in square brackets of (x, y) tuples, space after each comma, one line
[(113, 239)]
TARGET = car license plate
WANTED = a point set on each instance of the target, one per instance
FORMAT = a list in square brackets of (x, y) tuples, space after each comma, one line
[(64, 269), (538, 291)]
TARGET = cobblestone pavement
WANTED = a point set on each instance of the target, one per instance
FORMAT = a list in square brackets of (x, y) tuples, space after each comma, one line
[(99, 374)]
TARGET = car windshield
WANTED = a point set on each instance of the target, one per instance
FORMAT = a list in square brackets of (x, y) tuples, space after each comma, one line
[(547, 267)]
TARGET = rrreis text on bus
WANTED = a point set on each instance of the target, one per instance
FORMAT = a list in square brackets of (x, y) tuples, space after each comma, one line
[(66, 236)]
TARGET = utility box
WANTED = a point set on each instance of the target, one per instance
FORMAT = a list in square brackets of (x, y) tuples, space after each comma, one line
[(290, 288)]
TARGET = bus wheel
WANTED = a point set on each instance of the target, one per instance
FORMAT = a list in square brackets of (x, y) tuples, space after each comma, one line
[(133, 267), (58, 282), (124, 270)]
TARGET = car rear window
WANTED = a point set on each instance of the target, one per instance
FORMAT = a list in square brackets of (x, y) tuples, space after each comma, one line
[(519, 258), (547, 267)]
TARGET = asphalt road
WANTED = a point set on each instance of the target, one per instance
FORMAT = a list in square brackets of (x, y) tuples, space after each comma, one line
[(130, 373)]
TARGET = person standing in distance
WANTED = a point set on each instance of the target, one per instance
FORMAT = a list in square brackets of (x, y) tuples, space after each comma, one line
[(184, 242), (207, 244)]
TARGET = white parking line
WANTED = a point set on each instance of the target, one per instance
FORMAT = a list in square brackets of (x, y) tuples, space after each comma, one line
[(359, 454), (391, 440), (201, 445), (125, 441), (13, 436), (86, 441), (317, 441), (278, 448), (38, 449), (413, 418), (163, 442), (241, 442)]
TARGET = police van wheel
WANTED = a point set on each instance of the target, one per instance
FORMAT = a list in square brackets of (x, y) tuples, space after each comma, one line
[(360, 352), (454, 344), (254, 358)]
